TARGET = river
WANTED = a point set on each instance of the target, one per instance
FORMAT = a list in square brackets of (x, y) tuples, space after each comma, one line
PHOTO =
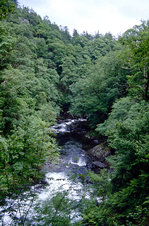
[(66, 184)]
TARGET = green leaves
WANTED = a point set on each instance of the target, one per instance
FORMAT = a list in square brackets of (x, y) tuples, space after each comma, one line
[(127, 131), (6, 7), (43, 70), (26, 150), (94, 94), (137, 41), (28, 105)]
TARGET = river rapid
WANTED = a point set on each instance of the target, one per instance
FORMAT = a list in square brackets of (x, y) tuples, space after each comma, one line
[(66, 183)]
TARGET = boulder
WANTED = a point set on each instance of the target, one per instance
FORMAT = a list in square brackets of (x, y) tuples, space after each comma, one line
[(99, 152), (99, 164)]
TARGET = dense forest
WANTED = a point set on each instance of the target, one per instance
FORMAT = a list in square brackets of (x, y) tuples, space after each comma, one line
[(44, 73)]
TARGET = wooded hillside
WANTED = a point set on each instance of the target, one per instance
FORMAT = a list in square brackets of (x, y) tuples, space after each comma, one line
[(45, 72)]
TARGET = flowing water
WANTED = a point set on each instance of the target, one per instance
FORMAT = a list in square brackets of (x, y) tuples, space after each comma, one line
[(67, 178)]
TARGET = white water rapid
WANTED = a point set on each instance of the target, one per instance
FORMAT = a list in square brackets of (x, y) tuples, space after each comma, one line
[(63, 178)]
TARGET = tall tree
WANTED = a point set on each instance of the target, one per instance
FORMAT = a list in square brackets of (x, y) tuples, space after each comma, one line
[(137, 40)]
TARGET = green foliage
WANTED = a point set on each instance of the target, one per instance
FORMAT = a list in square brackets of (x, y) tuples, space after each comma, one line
[(6, 46), (127, 130), (29, 104), (6, 7), (137, 41), (45, 71), (94, 95), (55, 211), (28, 143)]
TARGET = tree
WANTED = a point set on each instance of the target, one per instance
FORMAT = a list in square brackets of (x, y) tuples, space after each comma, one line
[(28, 103), (127, 131), (102, 84), (137, 40), (6, 7)]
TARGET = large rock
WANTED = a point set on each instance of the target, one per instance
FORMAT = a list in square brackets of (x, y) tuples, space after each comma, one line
[(99, 152), (99, 165)]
